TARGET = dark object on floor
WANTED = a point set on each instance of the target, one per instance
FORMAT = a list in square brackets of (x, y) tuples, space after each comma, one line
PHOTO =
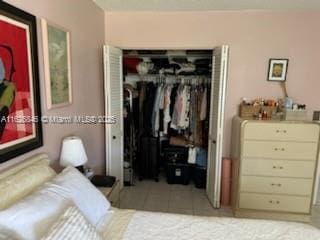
[(103, 181), (174, 154), (178, 173), (148, 161), (200, 177)]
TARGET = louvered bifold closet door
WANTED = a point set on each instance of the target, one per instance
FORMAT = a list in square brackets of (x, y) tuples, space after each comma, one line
[(217, 109), (113, 107)]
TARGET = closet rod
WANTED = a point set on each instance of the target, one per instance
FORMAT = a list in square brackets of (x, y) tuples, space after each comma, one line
[(176, 79), (170, 76), (167, 56)]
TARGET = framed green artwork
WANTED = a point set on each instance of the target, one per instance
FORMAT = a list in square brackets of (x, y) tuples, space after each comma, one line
[(57, 64)]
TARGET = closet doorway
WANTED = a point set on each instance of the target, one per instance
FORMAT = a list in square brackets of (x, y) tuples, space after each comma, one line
[(169, 106)]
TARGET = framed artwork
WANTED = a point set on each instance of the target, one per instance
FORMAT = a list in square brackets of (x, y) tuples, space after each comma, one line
[(57, 65), (20, 125), (278, 70)]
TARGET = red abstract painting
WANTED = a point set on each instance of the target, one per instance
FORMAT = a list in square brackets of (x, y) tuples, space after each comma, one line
[(20, 107), (15, 87)]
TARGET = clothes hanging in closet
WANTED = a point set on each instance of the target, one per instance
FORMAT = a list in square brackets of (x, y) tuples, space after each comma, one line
[(203, 110), (166, 108), (147, 108), (182, 108), (156, 111), (180, 117)]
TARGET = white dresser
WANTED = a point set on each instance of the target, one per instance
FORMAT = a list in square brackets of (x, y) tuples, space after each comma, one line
[(274, 167)]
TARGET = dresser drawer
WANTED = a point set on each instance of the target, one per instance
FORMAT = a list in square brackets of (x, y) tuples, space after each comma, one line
[(276, 185), (280, 150), (275, 202), (278, 168), (282, 131)]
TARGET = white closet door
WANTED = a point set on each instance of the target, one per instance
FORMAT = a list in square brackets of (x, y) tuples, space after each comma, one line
[(218, 95), (114, 107)]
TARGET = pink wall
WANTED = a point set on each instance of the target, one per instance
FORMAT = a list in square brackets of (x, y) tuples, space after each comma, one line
[(253, 37), (86, 24)]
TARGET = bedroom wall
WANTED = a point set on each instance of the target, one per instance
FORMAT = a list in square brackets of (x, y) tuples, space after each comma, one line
[(86, 24), (253, 36)]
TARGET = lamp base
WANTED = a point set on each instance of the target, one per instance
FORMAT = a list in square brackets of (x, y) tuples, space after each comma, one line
[(80, 168)]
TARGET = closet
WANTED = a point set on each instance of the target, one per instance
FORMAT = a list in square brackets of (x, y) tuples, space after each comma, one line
[(169, 104)]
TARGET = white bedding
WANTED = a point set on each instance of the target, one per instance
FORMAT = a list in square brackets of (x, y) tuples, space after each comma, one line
[(162, 226)]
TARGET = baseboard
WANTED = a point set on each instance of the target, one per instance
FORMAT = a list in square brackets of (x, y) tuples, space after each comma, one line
[(297, 217)]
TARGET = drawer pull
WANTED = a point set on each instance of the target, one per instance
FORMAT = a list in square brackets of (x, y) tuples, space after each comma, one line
[(279, 167), (281, 131), (274, 202), (276, 184), (280, 149)]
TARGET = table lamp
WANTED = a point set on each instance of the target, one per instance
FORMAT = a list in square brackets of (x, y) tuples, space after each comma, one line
[(73, 153)]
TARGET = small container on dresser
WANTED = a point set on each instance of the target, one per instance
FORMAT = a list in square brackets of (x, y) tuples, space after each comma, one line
[(274, 167)]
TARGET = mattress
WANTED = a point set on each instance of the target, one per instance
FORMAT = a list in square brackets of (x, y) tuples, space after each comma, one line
[(139, 225)]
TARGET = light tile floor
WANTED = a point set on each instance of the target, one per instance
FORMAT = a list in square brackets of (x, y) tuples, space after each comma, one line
[(149, 195), (159, 196)]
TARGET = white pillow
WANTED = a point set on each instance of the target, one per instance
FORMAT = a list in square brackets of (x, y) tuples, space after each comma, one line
[(90, 201), (72, 225), (31, 217), (18, 185)]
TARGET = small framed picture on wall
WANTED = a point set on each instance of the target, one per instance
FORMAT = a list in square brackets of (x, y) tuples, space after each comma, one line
[(57, 64), (278, 70)]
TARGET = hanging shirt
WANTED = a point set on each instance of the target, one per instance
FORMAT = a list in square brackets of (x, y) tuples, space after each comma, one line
[(166, 108), (177, 109), (180, 117), (203, 110), (142, 97), (198, 133), (161, 98), (183, 122), (156, 112), (193, 112)]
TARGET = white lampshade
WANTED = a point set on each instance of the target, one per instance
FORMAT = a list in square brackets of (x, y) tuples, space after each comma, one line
[(73, 152)]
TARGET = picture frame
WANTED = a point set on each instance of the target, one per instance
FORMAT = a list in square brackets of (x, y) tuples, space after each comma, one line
[(278, 69), (20, 106), (57, 64)]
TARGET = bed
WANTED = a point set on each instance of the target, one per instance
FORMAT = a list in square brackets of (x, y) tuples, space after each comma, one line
[(103, 222)]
